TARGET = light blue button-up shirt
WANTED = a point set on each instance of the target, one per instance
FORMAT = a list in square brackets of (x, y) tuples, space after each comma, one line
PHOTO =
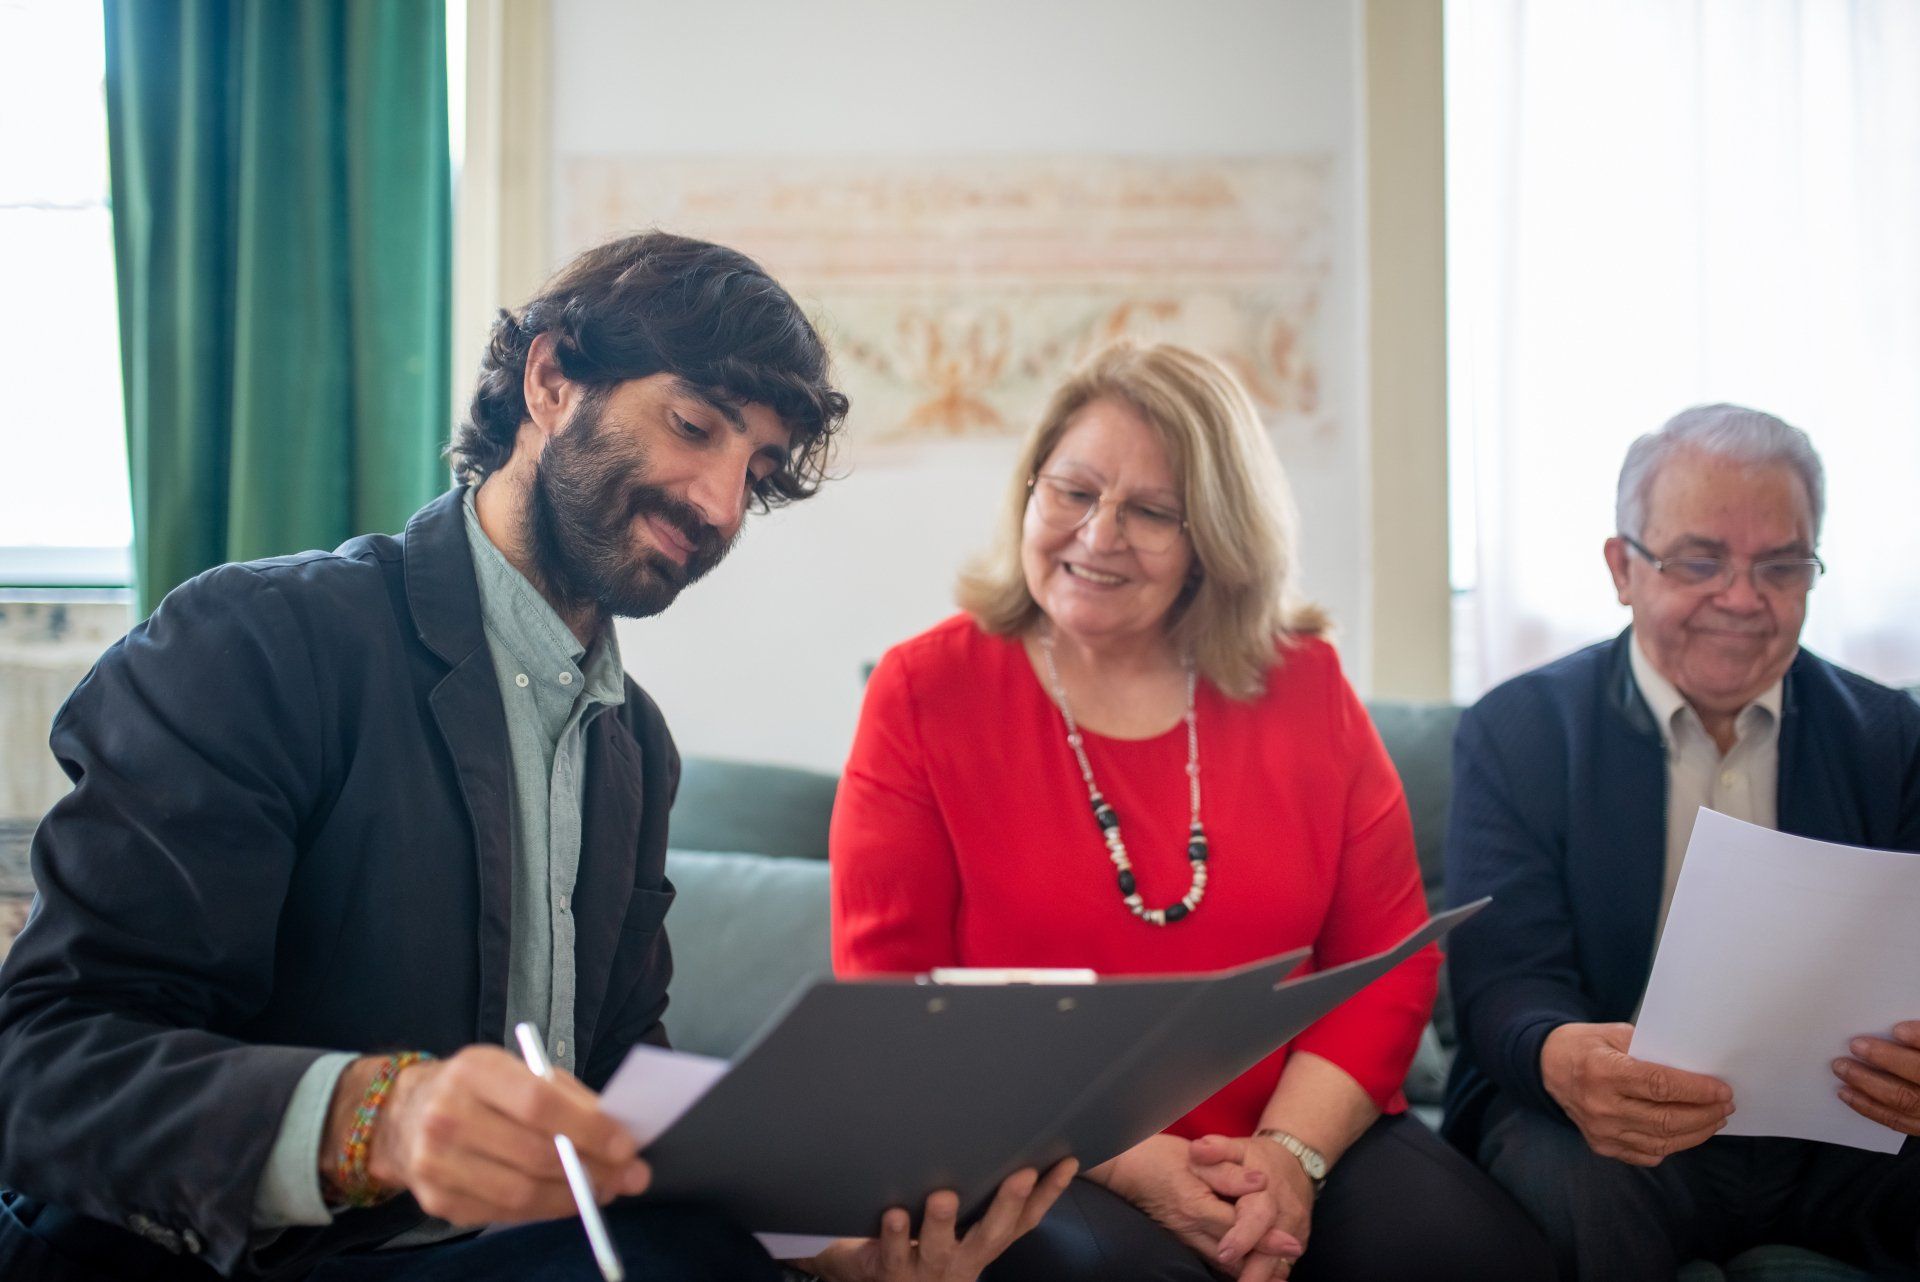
[(553, 687)]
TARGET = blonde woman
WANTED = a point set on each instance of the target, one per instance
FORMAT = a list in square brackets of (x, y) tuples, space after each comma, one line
[(1135, 751)]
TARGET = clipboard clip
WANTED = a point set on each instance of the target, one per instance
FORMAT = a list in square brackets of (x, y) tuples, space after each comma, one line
[(981, 976)]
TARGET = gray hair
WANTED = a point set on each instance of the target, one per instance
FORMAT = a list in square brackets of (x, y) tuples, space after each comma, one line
[(1726, 431)]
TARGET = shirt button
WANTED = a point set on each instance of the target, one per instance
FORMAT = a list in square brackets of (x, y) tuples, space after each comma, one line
[(566, 678), (1728, 779), (560, 1049), (521, 680), (563, 901)]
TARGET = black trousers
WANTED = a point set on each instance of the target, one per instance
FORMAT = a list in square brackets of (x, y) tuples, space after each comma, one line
[(656, 1244), (1608, 1220), (1400, 1205)]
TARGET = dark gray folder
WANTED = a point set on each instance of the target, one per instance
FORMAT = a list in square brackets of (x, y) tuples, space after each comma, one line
[(874, 1093)]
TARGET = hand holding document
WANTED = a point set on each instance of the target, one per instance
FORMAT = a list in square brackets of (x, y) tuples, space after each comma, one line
[(1778, 952)]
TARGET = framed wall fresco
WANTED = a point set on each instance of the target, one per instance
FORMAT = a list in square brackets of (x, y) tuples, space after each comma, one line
[(956, 291)]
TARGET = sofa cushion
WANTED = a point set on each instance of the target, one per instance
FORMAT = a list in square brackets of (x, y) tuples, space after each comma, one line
[(743, 805), (1419, 738), (747, 930)]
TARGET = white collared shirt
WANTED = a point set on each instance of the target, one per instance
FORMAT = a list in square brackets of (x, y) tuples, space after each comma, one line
[(1743, 784)]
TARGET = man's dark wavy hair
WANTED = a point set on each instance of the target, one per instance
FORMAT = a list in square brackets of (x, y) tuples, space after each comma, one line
[(659, 303)]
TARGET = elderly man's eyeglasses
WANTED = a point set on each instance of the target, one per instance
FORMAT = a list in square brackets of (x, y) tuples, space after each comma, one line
[(1780, 576), (1068, 504)]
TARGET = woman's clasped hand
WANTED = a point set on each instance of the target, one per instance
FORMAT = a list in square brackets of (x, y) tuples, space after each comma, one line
[(1220, 1197)]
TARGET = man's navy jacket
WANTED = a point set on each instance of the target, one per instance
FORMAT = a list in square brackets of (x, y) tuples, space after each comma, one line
[(1560, 813), (290, 832)]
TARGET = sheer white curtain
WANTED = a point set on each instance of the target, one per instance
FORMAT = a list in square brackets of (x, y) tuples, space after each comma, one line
[(1654, 204)]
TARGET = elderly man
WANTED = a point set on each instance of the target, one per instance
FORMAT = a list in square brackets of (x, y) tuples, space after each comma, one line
[(1575, 791), (341, 820)]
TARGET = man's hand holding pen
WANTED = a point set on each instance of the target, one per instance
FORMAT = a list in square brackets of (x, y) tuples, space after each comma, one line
[(472, 1138)]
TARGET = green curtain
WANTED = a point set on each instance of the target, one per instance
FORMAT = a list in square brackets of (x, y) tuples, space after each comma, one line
[(282, 218)]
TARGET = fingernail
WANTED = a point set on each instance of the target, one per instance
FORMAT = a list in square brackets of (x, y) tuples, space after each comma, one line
[(1842, 1067), (1859, 1046)]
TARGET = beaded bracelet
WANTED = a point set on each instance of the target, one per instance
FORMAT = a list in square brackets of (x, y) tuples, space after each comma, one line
[(357, 1188)]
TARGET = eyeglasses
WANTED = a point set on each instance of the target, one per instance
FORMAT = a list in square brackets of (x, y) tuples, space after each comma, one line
[(1066, 504), (1780, 576)]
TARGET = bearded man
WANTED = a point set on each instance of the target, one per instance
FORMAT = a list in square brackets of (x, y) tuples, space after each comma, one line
[(341, 820)]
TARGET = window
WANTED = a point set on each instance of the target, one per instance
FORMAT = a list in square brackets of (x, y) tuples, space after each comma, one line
[(65, 514), (1653, 205)]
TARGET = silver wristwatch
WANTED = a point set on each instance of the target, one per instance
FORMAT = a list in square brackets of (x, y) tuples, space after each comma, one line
[(1312, 1160)]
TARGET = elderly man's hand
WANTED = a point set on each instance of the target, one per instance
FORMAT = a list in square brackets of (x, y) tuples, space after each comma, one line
[(1628, 1109), (1883, 1078)]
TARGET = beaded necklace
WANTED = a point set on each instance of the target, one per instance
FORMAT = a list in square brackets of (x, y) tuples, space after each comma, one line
[(1103, 814)]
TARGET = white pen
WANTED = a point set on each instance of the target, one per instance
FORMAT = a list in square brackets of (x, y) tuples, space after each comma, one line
[(603, 1253)]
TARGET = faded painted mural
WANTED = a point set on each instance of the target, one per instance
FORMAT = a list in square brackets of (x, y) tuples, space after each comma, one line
[(955, 293)]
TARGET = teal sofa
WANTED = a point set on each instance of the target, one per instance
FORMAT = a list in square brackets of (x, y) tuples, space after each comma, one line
[(748, 854)]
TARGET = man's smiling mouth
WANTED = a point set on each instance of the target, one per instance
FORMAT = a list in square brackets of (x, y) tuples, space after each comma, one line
[(669, 540)]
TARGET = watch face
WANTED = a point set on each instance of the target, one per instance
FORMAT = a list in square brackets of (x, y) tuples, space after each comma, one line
[(1316, 1166)]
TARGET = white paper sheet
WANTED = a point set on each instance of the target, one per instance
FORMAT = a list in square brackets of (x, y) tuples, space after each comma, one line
[(650, 1091), (1778, 951), (654, 1086)]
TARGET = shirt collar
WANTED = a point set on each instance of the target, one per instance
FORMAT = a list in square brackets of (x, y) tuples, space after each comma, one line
[(1670, 707), (518, 618)]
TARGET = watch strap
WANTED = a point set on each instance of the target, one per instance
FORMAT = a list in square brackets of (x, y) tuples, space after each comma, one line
[(1312, 1161)]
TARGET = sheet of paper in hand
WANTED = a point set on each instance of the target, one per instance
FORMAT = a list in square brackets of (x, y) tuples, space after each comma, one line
[(1777, 952)]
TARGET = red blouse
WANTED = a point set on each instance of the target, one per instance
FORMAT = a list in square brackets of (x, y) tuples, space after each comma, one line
[(962, 837)]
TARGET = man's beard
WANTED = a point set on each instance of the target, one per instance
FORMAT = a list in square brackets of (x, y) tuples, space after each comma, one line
[(588, 491)]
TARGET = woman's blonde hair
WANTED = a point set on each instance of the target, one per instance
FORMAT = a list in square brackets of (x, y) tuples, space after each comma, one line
[(1240, 513)]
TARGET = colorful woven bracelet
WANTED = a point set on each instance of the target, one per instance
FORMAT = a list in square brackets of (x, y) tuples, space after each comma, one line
[(356, 1187)]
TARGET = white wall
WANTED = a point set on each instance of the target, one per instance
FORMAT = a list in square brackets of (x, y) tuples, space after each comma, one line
[(763, 659)]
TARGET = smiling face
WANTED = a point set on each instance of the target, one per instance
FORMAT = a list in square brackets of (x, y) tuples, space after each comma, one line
[(1720, 649), (644, 490), (1096, 587)]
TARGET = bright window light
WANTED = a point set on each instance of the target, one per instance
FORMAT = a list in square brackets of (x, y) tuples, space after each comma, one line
[(1653, 205), (65, 514)]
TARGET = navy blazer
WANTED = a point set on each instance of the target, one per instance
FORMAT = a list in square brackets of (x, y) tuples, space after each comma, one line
[(1560, 813), (289, 831)]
